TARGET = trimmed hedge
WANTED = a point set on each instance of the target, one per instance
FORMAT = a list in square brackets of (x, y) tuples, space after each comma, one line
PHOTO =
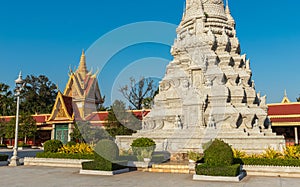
[(268, 161), (107, 149), (23, 145), (3, 158), (228, 171), (65, 155), (104, 165), (218, 153), (52, 146)]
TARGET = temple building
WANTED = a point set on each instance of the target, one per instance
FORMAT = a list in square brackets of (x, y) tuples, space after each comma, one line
[(285, 119), (80, 101)]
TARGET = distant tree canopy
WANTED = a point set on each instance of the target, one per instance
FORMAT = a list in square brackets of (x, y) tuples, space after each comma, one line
[(140, 94), (84, 131), (27, 128), (120, 121), (7, 104), (38, 95)]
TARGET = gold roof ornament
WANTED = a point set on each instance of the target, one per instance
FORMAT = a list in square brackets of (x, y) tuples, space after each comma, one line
[(82, 69), (285, 98)]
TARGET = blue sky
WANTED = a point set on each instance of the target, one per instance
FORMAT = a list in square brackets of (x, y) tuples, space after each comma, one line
[(46, 37)]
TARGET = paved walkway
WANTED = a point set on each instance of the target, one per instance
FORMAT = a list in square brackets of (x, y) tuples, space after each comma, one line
[(36, 176)]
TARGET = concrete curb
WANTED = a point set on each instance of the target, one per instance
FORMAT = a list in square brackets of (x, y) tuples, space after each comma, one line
[(272, 171), (105, 173), (220, 178), (54, 162)]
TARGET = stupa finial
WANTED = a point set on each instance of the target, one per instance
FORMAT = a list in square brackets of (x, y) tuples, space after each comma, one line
[(82, 65)]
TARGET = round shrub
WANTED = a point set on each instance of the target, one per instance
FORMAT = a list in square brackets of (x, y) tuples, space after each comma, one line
[(143, 148), (52, 146), (107, 149), (218, 153)]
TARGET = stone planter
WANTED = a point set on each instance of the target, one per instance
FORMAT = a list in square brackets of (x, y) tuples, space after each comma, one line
[(106, 173), (272, 171), (219, 178), (55, 162)]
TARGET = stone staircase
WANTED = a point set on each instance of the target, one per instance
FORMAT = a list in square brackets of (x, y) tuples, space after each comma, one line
[(172, 167)]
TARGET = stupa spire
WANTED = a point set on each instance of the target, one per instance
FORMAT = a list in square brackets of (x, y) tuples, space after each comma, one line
[(230, 19), (82, 70)]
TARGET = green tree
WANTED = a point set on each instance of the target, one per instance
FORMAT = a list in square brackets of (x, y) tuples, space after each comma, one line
[(2, 130), (136, 92), (120, 121), (27, 126), (84, 131), (10, 130), (7, 104), (39, 95)]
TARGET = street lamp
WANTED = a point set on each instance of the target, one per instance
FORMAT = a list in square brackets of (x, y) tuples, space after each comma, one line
[(14, 161)]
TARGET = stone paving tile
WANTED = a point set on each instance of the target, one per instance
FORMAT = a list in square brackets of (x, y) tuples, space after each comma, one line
[(36, 176)]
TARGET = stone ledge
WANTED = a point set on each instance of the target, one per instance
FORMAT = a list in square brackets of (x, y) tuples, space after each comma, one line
[(219, 178), (272, 171), (54, 162), (106, 173), (4, 163)]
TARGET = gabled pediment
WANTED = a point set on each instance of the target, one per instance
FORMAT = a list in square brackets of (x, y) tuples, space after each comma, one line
[(62, 109)]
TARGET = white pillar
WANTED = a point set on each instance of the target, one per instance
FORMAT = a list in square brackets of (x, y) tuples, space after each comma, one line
[(296, 136), (53, 132), (70, 130)]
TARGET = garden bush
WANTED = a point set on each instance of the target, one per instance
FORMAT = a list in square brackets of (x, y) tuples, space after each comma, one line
[(218, 153), (77, 148), (269, 161), (52, 146), (204, 169), (143, 148), (23, 145), (107, 149), (104, 165), (3, 157)]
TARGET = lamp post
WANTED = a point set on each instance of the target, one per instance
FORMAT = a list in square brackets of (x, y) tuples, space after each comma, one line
[(14, 161)]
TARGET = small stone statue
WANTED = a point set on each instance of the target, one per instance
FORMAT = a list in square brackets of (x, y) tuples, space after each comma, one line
[(211, 121), (256, 123), (178, 122), (165, 145)]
